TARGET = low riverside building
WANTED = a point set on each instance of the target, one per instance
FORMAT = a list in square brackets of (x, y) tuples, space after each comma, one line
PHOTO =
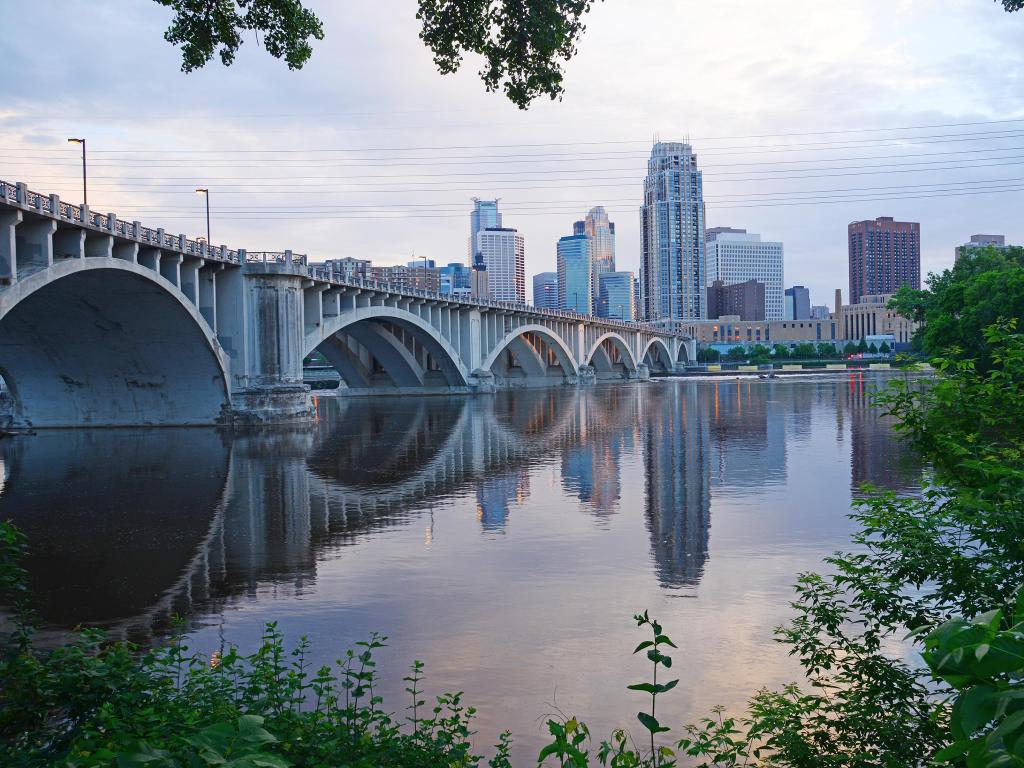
[(871, 317)]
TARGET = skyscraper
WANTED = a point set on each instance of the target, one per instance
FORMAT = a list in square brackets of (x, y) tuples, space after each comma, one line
[(884, 256), (672, 236), (545, 290), (497, 251), (615, 296), (602, 246), (575, 274), (501, 252), (798, 303), (735, 256), (485, 215)]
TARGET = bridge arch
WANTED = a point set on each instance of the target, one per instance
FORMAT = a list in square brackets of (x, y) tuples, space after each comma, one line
[(657, 356), (107, 342), (522, 343), (601, 355), (373, 329), (683, 356)]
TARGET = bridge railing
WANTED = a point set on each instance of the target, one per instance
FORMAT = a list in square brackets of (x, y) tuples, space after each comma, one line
[(19, 195), (320, 272)]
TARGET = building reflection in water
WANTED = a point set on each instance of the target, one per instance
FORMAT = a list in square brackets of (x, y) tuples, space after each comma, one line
[(877, 458), (128, 527), (677, 485)]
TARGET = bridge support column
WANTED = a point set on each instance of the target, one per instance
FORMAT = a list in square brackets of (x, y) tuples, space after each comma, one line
[(272, 391), (9, 219), (643, 373), (482, 381), (587, 375)]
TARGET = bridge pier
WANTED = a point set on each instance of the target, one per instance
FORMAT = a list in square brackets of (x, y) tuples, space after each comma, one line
[(271, 390)]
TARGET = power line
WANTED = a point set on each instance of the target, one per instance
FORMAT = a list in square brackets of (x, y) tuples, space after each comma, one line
[(434, 148), (367, 187), (549, 212), (206, 177), (515, 205)]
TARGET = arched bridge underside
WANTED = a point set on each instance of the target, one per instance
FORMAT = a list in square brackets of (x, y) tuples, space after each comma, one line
[(105, 322), (385, 343), (110, 344)]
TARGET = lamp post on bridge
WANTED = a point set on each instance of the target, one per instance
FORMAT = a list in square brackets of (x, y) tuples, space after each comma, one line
[(206, 193), (85, 194)]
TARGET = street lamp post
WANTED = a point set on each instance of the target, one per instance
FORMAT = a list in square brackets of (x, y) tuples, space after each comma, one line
[(85, 195), (206, 193)]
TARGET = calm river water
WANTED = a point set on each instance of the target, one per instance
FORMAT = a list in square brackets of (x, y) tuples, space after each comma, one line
[(506, 541)]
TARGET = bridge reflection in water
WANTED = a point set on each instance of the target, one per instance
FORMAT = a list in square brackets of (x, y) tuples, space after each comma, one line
[(129, 527)]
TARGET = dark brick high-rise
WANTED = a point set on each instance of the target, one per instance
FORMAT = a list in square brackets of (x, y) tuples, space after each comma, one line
[(884, 255)]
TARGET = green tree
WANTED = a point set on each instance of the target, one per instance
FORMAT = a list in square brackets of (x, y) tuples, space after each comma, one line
[(736, 353), (760, 353), (524, 45), (803, 351), (708, 355), (984, 285), (850, 349), (885, 349), (203, 28), (873, 348), (862, 346), (781, 351), (826, 350)]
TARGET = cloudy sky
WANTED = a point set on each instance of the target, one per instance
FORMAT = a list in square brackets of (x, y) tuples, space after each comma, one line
[(804, 115)]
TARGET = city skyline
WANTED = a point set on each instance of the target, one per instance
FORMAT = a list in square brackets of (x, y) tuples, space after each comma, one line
[(949, 69)]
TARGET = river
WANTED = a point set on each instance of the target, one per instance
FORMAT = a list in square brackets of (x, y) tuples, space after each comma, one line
[(505, 540)]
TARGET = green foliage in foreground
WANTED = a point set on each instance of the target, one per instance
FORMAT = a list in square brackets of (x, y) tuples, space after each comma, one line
[(92, 703)]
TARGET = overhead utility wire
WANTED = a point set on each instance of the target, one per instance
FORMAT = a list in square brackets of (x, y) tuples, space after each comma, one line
[(207, 177), (434, 148), (514, 205), (772, 204)]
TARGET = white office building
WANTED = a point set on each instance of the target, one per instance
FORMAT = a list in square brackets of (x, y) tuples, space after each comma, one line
[(735, 256), (502, 253)]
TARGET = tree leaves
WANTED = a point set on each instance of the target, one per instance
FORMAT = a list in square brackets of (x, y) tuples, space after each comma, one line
[(524, 43), (203, 28)]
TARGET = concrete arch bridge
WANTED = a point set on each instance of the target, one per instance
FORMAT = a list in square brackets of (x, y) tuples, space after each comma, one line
[(105, 322)]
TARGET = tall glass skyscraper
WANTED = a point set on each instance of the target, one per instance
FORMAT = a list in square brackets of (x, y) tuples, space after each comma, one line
[(485, 215), (672, 236), (575, 274), (602, 246)]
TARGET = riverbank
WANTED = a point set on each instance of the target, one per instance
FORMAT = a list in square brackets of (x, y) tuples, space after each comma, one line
[(786, 369)]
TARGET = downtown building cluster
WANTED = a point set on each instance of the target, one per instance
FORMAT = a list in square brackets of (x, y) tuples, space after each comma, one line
[(722, 285)]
